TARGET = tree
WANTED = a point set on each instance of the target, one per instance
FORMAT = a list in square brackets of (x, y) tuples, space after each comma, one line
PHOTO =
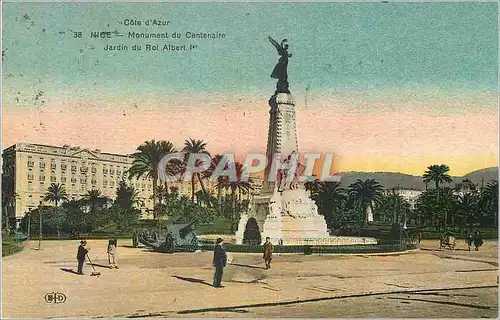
[(447, 205), (329, 197), (467, 209), (210, 171), (466, 186), (364, 194), (9, 196), (235, 186), (123, 211), (95, 200), (437, 174), (146, 160), (126, 196), (56, 193), (193, 146), (489, 202), (392, 208), (172, 167)]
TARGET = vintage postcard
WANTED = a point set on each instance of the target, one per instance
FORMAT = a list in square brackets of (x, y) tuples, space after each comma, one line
[(250, 160)]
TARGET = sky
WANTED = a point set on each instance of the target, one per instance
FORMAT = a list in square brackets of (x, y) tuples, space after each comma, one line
[(384, 86)]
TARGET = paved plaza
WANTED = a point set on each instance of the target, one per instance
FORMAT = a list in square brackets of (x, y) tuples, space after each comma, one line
[(421, 283)]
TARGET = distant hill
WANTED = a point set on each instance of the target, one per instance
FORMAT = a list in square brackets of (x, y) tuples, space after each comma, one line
[(387, 179), (390, 180), (488, 174)]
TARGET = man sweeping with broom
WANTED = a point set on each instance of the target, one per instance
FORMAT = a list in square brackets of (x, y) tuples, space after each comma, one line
[(80, 256)]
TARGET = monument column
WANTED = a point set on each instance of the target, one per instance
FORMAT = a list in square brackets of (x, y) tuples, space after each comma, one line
[(287, 215)]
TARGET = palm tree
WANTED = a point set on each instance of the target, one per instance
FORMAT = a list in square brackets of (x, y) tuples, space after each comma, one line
[(166, 147), (328, 195), (55, 193), (146, 160), (364, 194), (220, 179), (193, 146), (437, 174), (95, 199), (467, 206), (447, 204), (489, 197), (235, 186)]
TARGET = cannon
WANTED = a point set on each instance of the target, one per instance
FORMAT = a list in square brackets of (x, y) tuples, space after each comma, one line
[(177, 237)]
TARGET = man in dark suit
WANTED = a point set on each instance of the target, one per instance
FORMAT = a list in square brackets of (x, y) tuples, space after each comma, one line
[(219, 262), (82, 253)]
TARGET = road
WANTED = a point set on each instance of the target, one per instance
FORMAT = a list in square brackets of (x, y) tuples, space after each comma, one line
[(424, 283)]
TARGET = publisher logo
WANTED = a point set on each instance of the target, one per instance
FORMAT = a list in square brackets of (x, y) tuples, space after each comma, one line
[(55, 297)]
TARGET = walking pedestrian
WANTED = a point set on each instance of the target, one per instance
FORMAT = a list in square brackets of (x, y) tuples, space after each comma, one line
[(469, 239), (219, 262), (80, 256), (478, 240), (112, 254), (268, 252)]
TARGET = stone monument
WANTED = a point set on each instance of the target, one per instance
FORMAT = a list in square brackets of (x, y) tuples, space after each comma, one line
[(284, 210)]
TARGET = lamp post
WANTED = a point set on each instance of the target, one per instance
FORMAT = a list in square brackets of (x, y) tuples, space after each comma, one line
[(29, 223), (40, 237)]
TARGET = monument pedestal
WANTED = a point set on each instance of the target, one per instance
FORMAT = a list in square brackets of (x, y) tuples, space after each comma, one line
[(289, 217)]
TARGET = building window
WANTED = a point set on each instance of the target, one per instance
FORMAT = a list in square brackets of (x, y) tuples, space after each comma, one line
[(94, 181), (31, 163), (64, 166), (63, 179), (30, 199), (105, 183), (30, 185), (94, 170), (53, 166), (83, 187), (53, 179), (104, 171), (73, 168), (83, 181), (30, 177), (112, 183), (42, 164), (42, 185), (41, 177), (111, 172), (73, 180)]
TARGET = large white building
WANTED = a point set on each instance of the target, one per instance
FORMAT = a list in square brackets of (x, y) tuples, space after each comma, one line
[(34, 167)]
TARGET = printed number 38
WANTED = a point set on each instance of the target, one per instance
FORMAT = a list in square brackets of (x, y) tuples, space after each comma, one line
[(77, 34)]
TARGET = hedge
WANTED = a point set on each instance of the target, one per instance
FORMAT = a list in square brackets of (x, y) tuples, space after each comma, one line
[(375, 248), (11, 248)]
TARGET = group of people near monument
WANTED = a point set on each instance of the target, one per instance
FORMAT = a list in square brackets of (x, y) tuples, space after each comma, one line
[(219, 262), (220, 259)]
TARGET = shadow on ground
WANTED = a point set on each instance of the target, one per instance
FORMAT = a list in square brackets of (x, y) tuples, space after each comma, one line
[(193, 280), (68, 270)]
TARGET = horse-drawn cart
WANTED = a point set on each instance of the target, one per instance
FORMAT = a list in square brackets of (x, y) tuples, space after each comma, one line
[(447, 241)]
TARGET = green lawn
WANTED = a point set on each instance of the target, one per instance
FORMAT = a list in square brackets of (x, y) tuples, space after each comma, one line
[(9, 246)]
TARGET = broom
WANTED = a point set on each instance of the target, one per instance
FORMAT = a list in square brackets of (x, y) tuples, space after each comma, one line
[(94, 273)]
